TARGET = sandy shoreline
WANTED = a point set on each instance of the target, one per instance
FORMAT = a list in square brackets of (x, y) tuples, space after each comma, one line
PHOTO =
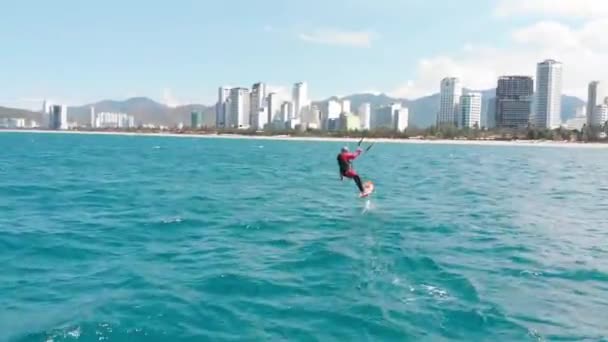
[(539, 143)]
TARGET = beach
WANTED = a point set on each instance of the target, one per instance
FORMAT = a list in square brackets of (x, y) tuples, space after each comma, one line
[(524, 143)]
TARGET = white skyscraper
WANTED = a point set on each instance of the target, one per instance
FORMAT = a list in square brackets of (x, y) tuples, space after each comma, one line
[(257, 102), (300, 100), (451, 89), (401, 119), (365, 115), (92, 117), (240, 108), (274, 108), (46, 112), (315, 118), (596, 95), (346, 106), (548, 94), (470, 110), (261, 119), (114, 120), (286, 109), (332, 111), (222, 107), (600, 115)]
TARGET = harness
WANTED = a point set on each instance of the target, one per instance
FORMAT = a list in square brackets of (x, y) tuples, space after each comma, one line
[(344, 165)]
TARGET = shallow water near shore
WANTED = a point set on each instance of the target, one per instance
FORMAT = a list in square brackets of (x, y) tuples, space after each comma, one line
[(138, 238)]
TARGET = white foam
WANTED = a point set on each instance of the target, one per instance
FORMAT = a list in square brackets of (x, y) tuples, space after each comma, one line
[(74, 333)]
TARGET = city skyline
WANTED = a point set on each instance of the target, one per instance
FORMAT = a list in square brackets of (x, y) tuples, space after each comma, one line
[(244, 109), (513, 105), (370, 51)]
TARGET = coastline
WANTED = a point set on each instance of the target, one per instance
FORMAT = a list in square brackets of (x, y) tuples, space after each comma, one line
[(524, 143)]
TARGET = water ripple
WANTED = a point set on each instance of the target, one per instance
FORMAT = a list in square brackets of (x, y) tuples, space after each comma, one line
[(109, 238)]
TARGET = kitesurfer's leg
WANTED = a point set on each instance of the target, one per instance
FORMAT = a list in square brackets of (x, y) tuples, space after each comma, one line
[(358, 181)]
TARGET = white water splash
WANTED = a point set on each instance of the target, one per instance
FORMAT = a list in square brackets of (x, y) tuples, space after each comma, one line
[(368, 207)]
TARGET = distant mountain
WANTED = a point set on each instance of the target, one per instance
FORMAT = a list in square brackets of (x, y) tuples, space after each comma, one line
[(144, 110), (6, 112), (569, 106)]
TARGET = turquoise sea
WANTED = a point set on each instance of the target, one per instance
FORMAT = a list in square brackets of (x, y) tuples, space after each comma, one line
[(123, 238)]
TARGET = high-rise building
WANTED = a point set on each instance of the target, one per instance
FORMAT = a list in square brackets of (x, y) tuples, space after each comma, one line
[(222, 109), (196, 120), (294, 123), (595, 98), (274, 108), (92, 117), (401, 119), (470, 110), (346, 106), (114, 120), (332, 111), (333, 124), (12, 123), (260, 120), (300, 100), (257, 102), (349, 122), (365, 114), (451, 89), (46, 113), (514, 96), (600, 115), (58, 118), (315, 118), (548, 94), (384, 117), (286, 109), (240, 108)]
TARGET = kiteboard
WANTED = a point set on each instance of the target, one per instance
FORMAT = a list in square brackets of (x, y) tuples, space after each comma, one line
[(368, 189)]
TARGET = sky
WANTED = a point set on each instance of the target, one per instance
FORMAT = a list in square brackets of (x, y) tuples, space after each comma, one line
[(179, 52)]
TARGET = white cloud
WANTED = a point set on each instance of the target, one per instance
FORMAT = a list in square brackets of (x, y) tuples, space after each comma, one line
[(543, 34), (561, 8), (361, 39), (169, 99), (583, 51)]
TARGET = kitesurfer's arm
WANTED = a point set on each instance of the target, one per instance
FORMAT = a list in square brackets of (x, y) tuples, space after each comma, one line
[(352, 156)]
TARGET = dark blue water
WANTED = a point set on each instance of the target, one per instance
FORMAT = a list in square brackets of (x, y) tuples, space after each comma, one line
[(118, 238)]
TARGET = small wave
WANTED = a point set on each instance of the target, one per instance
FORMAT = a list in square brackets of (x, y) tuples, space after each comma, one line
[(536, 335), (172, 220), (531, 273), (72, 333), (435, 291)]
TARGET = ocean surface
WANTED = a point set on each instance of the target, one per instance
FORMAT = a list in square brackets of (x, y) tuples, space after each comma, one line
[(124, 238)]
